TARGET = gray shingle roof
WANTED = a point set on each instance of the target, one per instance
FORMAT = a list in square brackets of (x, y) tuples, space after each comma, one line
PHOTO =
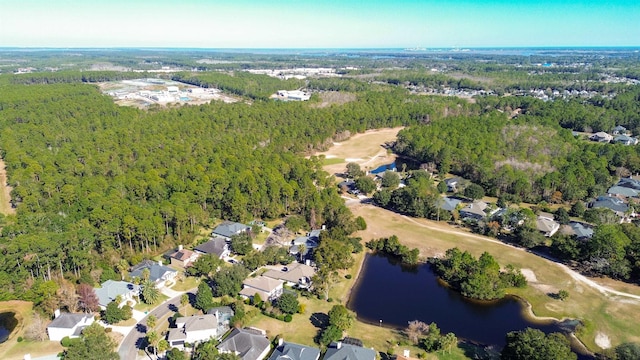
[(449, 203), (214, 246), (291, 351), (228, 229), (197, 323), (68, 320), (630, 183), (110, 289), (580, 230), (340, 351), (611, 203), (156, 271), (623, 190), (248, 344)]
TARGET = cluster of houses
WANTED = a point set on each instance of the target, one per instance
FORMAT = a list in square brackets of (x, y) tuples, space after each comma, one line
[(620, 135), (480, 210), (619, 198), (249, 344)]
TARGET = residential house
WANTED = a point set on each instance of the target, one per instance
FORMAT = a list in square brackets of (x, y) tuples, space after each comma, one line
[(619, 130), (545, 224), (216, 246), (341, 351), (477, 210), (452, 183), (629, 183), (295, 274), (248, 344), (183, 257), (110, 290), (612, 203), (193, 329), (347, 185), (310, 242), (228, 229), (623, 191), (67, 324), (224, 315), (158, 273), (580, 230), (449, 203), (601, 137), (291, 351), (268, 288), (625, 140)]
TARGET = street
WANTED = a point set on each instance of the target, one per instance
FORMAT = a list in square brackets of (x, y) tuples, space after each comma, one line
[(135, 339)]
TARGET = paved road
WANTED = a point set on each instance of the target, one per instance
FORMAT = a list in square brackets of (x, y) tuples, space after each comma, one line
[(135, 340)]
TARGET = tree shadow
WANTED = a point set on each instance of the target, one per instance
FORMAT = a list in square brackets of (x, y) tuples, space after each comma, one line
[(319, 320), (142, 343), (173, 308), (554, 296), (141, 328)]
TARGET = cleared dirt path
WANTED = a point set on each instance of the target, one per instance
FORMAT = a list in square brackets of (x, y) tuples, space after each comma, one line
[(5, 192)]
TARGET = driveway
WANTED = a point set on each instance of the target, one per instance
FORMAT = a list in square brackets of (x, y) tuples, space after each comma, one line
[(136, 338)]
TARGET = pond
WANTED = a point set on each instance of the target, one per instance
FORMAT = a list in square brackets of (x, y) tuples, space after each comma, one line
[(8, 322), (392, 295)]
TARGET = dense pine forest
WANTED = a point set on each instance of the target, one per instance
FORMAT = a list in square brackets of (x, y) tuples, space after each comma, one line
[(94, 182)]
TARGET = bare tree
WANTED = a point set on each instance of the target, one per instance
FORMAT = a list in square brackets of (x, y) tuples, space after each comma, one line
[(37, 329), (415, 330), (67, 296)]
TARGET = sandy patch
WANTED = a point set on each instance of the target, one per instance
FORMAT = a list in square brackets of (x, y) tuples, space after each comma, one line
[(5, 192), (602, 340), (352, 159), (529, 275)]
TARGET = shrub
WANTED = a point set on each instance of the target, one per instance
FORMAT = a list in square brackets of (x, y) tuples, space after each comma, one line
[(330, 300), (288, 318), (348, 276), (108, 330), (20, 338), (66, 341)]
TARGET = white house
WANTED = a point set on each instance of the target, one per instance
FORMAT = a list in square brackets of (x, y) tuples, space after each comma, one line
[(546, 224), (67, 324), (267, 288), (192, 329)]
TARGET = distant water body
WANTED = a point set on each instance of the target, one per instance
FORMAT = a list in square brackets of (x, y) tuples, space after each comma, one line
[(378, 52)]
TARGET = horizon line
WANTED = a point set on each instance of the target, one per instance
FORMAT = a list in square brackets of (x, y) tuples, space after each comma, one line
[(415, 48)]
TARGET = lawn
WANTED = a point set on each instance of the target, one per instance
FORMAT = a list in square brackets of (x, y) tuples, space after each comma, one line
[(186, 283), (12, 349), (613, 316), (140, 306), (332, 161)]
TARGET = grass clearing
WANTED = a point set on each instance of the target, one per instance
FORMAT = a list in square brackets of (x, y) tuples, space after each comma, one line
[(364, 149), (186, 283), (615, 316), (12, 349), (333, 161)]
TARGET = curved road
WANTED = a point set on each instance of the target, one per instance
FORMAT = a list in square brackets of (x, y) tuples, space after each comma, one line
[(135, 339)]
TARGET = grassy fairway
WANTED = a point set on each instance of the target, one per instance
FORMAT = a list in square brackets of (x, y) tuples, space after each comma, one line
[(616, 317), (364, 149)]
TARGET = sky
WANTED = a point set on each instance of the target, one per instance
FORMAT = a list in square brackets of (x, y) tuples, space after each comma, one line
[(319, 23)]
